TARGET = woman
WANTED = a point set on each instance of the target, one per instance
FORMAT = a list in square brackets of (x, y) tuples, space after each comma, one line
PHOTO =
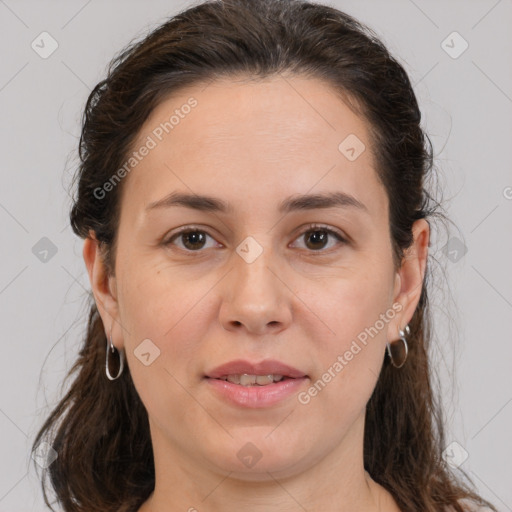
[(256, 223)]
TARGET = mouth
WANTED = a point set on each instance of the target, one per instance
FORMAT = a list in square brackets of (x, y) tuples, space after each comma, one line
[(259, 385), (247, 373), (248, 380)]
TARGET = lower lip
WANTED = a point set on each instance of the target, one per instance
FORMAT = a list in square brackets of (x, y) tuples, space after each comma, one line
[(256, 396)]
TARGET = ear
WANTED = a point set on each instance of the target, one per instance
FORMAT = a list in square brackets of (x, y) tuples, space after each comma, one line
[(409, 278), (103, 286)]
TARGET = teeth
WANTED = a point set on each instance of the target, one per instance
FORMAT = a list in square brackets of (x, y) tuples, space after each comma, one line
[(247, 380), (250, 380)]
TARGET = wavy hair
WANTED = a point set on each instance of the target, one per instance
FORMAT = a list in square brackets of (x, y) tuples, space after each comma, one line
[(99, 428)]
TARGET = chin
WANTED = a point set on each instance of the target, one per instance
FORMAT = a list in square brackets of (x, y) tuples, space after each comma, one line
[(253, 457)]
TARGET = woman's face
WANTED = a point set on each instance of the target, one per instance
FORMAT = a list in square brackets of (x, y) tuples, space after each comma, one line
[(264, 278)]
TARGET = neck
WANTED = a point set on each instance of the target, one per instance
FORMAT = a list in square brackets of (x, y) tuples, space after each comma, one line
[(337, 482)]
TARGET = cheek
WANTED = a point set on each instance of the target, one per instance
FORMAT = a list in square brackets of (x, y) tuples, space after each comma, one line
[(353, 314), (165, 324), (347, 307), (158, 301), (176, 323)]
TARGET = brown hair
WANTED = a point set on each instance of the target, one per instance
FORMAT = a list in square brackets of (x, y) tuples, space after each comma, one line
[(100, 428)]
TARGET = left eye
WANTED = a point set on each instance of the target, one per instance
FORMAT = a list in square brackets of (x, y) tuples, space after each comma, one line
[(195, 239), (319, 235)]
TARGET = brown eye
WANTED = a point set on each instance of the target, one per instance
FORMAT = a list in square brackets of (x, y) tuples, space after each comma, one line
[(318, 237), (192, 239)]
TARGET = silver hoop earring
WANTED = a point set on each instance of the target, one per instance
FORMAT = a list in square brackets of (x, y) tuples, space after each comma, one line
[(121, 358), (399, 356)]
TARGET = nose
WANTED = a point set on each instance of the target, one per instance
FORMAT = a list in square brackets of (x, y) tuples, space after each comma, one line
[(256, 297)]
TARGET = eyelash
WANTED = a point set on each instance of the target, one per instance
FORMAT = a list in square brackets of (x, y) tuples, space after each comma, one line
[(310, 229)]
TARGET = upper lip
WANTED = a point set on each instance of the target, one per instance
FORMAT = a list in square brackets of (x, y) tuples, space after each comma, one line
[(266, 367)]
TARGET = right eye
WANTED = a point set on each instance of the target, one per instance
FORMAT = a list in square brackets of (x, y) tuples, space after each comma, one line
[(193, 239)]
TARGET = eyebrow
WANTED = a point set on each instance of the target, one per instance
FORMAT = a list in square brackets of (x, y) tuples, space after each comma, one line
[(292, 203)]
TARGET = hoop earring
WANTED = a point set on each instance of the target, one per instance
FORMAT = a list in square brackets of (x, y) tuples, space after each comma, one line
[(121, 359), (400, 361)]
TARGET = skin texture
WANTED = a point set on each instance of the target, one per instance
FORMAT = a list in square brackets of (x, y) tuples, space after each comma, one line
[(301, 301)]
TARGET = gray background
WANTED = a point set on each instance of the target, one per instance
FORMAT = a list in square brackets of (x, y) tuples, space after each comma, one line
[(467, 107)]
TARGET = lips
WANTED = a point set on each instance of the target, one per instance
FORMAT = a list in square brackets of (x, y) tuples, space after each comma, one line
[(244, 384), (263, 368)]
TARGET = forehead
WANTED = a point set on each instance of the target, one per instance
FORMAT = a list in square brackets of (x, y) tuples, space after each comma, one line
[(266, 138)]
